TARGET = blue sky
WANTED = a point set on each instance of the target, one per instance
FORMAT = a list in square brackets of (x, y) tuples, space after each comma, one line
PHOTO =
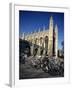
[(30, 21)]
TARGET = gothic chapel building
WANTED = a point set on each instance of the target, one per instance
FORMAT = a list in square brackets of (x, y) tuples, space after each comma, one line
[(44, 42)]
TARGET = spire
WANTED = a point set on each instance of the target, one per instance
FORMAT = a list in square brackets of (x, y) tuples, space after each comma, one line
[(56, 40), (43, 28), (23, 35), (51, 22), (51, 18), (39, 29), (31, 32), (56, 28)]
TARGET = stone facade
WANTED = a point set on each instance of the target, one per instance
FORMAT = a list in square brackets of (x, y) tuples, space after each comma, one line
[(44, 42)]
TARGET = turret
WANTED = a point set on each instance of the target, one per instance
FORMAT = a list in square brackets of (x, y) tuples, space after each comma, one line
[(50, 47), (51, 27), (56, 40), (51, 23)]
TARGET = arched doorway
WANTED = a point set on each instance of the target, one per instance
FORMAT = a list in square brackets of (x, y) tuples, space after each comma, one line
[(41, 46), (35, 51), (41, 41), (46, 45), (36, 41), (35, 47)]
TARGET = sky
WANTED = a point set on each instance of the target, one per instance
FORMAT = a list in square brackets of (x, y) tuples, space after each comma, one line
[(32, 21)]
